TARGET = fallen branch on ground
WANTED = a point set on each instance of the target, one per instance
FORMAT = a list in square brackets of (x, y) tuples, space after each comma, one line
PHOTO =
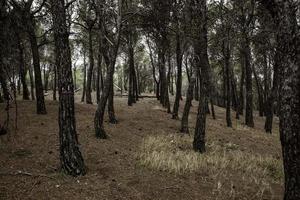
[(24, 173)]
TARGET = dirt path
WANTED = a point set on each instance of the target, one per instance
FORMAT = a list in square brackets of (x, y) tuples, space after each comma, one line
[(113, 172)]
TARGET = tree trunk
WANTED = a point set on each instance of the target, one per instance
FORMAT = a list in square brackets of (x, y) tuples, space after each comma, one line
[(70, 155), (212, 108), (75, 78), (1, 97), (157, 90), (197, 88), (94, 80), (260, 95), (267, 79), (90, 70), (111, 109), (40, 101), (179, 78), (226, 55), (289, 72), (99, 115), (46, 79), (170, 74), (23, 71), (18, 79), (202, 63), (199, 137), (188, 72), (156, 82), (131, 71), (84, 77), (108, 85), (269, 107), (32, 86), (4, 83), (99, 77), (234, 94), (242, 82), (99, 81), (54, 82), (164, 97), (172, 80), (188, 103), (224, 86), (249, 93), (288, 60), (136, 85)]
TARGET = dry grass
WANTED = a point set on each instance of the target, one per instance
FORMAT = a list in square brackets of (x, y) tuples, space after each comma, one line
[(241, 163), (174, 154)]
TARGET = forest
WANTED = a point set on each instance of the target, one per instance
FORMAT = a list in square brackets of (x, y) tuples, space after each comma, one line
[(150, 99)]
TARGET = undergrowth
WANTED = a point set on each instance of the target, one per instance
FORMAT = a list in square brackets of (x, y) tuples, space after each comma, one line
[(174, 154)]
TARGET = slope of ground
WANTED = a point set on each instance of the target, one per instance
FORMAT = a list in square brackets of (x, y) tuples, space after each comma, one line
[(29, 160)]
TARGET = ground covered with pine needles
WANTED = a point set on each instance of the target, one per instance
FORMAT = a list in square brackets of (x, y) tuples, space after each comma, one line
[(145, 157)]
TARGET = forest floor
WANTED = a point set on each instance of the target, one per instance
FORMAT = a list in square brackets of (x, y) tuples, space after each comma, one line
[(145, 157)]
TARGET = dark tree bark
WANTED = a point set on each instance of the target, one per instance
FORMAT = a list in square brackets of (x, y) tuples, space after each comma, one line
[(111, 109), (99, 81), (288, 52), (197, 88), (54, 82), (136, 84), (207, 107), (3, 82), (179, 77), (70, 155), (19, 83), (1, 97), (188, 71), (84, 77), (75, 78), (108, 53), (131, 72), (156, 84), (188, 102), (234, 94), (246, 21), (241, 91), (267, 79), (108, 84), (110, 106), (259, 92), (170, 74), (164, 91), (202, 63), (269, 107), (130, 75), (224, 85), (212, 108), (32, 85), (40, 101), (242, 82), (226, 54), (99, 76), (94, 80), (226, 51), (90, 70), (249, 92), (46, 78), (172, 80), (23, 71)]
